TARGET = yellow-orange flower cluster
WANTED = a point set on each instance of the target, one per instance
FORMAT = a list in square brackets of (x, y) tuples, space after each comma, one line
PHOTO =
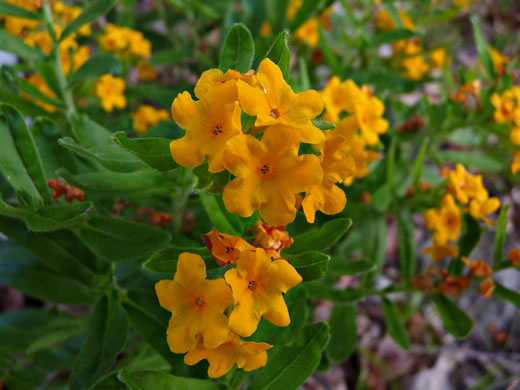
[(125, 41), (148, 116), (209, 317), (309, 32), (408, 53), (268, 169), (507, 110), (110, 90), (446, 222)]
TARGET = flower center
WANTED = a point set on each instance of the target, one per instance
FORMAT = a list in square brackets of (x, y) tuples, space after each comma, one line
[(217, 130), (251, 285), (265, 169), (229, 249), (275, 113), (200, 302)]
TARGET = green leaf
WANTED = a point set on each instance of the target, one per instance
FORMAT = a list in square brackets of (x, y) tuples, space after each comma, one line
[(221, 219), (92, 10), (165, 260), (339, 266), (321, 290), (343, 332), (50, 218), (20, 161), (23, 379), (87, 132), (470, 236), (8, 9), (97, 65), (417, 165), (407, 243), (373, 246), (276, 12), (291, 365), (471, 159), (155, 152), (111, 156), (394, 324), (238, 50), (16, 46), (507, 294), (321, 239), (482, 48), (22, 271), (116, 183), (46, 134), (18, 335), (280, 54), (106, 337), (500, 236), (153, 329), (310, 265), (454, 320), (119, 240), (60, 251), (161, 380), (323, 125)]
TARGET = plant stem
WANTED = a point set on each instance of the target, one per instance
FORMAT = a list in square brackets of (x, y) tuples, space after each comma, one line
[(58, 68)]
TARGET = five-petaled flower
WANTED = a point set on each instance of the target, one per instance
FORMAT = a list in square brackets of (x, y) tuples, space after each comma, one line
[(269, 174), (258, 284), (273, 102), (197, 305)]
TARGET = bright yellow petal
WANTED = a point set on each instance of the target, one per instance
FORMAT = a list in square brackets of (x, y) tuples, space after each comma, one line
[(242, 196), (186, 152), (184, 110)]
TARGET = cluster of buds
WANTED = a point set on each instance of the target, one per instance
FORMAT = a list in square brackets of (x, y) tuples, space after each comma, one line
[(61, 187), (514, 257), (155, 218), (454, 285), (416, 122), (272, 238)]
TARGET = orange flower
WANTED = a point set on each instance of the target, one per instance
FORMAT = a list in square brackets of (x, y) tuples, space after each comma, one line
[(514, 257), (338, 165), (273, 102), (465, 186), (269, 174), (480, 209), (224, 248), (209, 124), (477, 267), (197, 305), (445, 222), (214, 78), (486, 288), (441, 251), (245, 354), (453, 285), (258, 284), (272, 238)]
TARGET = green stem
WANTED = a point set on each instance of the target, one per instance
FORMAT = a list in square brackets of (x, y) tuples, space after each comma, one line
[(58, 68)]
